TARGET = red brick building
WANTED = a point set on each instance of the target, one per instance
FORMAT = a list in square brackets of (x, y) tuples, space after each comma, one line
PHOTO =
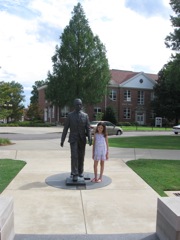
[(130, 94)]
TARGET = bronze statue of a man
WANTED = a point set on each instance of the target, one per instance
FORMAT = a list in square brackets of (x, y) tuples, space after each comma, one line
[(78, 123)]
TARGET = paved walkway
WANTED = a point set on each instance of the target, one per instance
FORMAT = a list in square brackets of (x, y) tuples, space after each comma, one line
[(126, 206)]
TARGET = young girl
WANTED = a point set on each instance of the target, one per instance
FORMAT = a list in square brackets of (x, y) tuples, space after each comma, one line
[(100, 150)]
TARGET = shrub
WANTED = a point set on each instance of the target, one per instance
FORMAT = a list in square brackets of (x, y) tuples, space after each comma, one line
[(4, 141), (28, 124), (124, 124)]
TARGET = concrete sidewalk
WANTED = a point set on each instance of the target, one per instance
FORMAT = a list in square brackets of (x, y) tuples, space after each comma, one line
[(126, 206)]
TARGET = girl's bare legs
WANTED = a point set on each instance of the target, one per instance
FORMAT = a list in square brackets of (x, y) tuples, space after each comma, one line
[(101, 169), (95, 169)]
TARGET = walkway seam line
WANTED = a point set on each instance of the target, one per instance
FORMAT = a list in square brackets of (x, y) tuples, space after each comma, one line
[(83, 211)]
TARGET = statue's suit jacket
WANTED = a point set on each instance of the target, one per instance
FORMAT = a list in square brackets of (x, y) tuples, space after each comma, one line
[(79, 126)]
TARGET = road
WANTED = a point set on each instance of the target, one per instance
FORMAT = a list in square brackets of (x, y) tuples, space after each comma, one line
[(32, 133)]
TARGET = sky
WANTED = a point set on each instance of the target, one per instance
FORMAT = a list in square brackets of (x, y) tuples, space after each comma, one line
[(133, 32)]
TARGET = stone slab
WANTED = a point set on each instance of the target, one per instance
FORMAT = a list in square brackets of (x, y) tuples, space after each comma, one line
[(136, 236), (169, 207), (168, 218), (6, 218)]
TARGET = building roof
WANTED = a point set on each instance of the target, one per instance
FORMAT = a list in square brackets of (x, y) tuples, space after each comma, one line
[(120, 76)]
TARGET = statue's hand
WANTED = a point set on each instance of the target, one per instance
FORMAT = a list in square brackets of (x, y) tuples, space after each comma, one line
[(61, 144), (90, 142)]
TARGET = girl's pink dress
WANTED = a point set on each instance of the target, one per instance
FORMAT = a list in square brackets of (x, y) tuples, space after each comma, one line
[(100, 148)]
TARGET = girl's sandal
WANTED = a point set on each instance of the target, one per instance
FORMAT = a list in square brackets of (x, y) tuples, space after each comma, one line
[(94, 180), (99, 180)]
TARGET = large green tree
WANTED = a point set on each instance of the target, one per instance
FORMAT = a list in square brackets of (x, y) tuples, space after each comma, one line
[(11, 98), (80, 66), (167, 91), (173, 39), (5, 97), (34, 92), (34, 111)]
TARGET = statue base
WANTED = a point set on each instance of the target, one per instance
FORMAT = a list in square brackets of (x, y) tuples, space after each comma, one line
[(64, 181), (79, 182)]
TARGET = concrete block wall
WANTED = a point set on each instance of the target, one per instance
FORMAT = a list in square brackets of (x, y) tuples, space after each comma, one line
[(6, 218), (168, 218)]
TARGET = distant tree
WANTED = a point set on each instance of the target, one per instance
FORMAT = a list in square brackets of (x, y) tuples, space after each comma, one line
[(33, 112), (167, 91), (80, 66), (99, 116), (5, 97), (173, 39), (110, 115), (34, 92), (11, 100), (17, 99)]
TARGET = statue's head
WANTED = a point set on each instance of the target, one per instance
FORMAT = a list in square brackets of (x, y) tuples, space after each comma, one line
[(78, 104)]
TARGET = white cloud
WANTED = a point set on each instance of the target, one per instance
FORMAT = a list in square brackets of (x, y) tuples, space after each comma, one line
[(133, 41), (55, 12), (21, 53)]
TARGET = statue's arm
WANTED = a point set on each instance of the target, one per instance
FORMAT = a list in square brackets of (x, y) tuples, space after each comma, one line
[(88, 130), (64, 133)]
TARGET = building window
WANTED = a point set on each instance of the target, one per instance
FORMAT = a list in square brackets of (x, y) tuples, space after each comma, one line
[(113, 95), (152, 96), (127, 95), (45, 114), (97, 110), (140, 97), (64, 111), (127, 113)]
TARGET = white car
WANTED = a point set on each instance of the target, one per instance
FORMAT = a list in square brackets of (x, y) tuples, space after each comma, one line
[(176, 129), (110, 127)]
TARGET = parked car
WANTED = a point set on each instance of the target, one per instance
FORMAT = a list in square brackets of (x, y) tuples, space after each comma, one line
[(176, 129), (110, 127)]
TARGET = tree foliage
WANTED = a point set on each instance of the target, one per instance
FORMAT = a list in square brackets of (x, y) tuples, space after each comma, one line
[(173, 39), (34, 112), (34, 92), (110, 115), (80, 66), (5, 97), (167, 91), (11, 98)]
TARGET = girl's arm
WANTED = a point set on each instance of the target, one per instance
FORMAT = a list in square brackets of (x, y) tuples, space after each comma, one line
[(93, 147), (107, 147)]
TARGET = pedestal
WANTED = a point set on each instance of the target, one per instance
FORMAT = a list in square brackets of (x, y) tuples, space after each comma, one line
[(6, 218), (168, 218), (79, 182)]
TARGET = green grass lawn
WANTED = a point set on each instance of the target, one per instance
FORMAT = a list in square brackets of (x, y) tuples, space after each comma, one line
[(161, 175), (148, 142), (145, 128), (8, 170)]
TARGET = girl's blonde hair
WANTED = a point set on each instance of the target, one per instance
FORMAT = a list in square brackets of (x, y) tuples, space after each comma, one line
[(104, 132)]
